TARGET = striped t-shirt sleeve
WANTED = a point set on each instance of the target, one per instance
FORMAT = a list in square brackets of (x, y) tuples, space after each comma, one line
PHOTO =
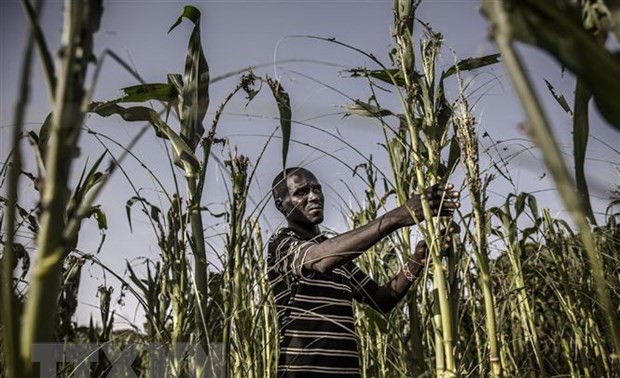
[(289, 254)]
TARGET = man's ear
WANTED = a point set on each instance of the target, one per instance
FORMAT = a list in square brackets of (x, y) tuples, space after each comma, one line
[(278, 202)]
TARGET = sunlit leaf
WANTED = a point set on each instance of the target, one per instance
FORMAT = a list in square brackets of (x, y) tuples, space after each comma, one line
[(194, 100), (147, 92)]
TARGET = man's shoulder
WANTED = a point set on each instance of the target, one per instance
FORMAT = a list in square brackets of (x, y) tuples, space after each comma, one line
[(283, 232)]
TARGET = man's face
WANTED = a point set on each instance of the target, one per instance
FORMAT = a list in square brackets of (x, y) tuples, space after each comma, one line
[(304, 204)]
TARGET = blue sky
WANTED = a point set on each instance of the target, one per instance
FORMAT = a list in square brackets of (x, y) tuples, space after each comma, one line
[(238, 34)]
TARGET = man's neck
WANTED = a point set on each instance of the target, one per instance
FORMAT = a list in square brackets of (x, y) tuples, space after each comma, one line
[(305, 232)]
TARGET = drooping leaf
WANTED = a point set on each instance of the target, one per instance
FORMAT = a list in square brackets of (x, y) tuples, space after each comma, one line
[(194, 100), (189, 12), (154, 211), (184, 156), (100, 217), (284, 107), (471, 64)]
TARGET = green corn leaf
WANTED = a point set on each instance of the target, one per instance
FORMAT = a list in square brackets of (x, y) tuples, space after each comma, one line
[(100, 217), (194, 100), (520, 203), (284, 107), (93, 177), (136, 280), (471, 64), (86, 182), (533, 205), (454, 155), (364, 109), (443, 111), (391, 76), (184, 155)]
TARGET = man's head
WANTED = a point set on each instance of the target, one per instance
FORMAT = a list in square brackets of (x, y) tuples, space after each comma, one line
[(298, 195)]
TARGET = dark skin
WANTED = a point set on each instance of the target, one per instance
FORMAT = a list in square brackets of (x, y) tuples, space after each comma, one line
[(302, 206)]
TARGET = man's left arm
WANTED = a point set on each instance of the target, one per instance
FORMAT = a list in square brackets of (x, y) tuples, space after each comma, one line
[(385, 298)]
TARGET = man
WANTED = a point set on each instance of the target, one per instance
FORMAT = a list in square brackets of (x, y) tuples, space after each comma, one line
[(314, 279)]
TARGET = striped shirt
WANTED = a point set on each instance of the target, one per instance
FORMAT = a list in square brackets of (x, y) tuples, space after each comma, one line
[(315, 310)]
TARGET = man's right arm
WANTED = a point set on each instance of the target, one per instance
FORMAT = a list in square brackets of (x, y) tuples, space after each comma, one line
[(343, 248)]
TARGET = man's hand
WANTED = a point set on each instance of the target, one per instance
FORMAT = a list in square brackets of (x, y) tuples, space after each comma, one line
[(388, 295), (420, 256), (442, 199)]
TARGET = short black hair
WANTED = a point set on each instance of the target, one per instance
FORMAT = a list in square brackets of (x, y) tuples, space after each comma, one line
[(278, 187)]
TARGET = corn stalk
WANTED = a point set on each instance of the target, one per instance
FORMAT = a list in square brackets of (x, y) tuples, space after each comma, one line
[(9, 315), (188, 95), (414, 153), (468, 141), (69, 107)]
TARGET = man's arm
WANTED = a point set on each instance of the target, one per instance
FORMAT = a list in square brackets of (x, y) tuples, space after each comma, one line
[(386, 297), (343, 248)]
